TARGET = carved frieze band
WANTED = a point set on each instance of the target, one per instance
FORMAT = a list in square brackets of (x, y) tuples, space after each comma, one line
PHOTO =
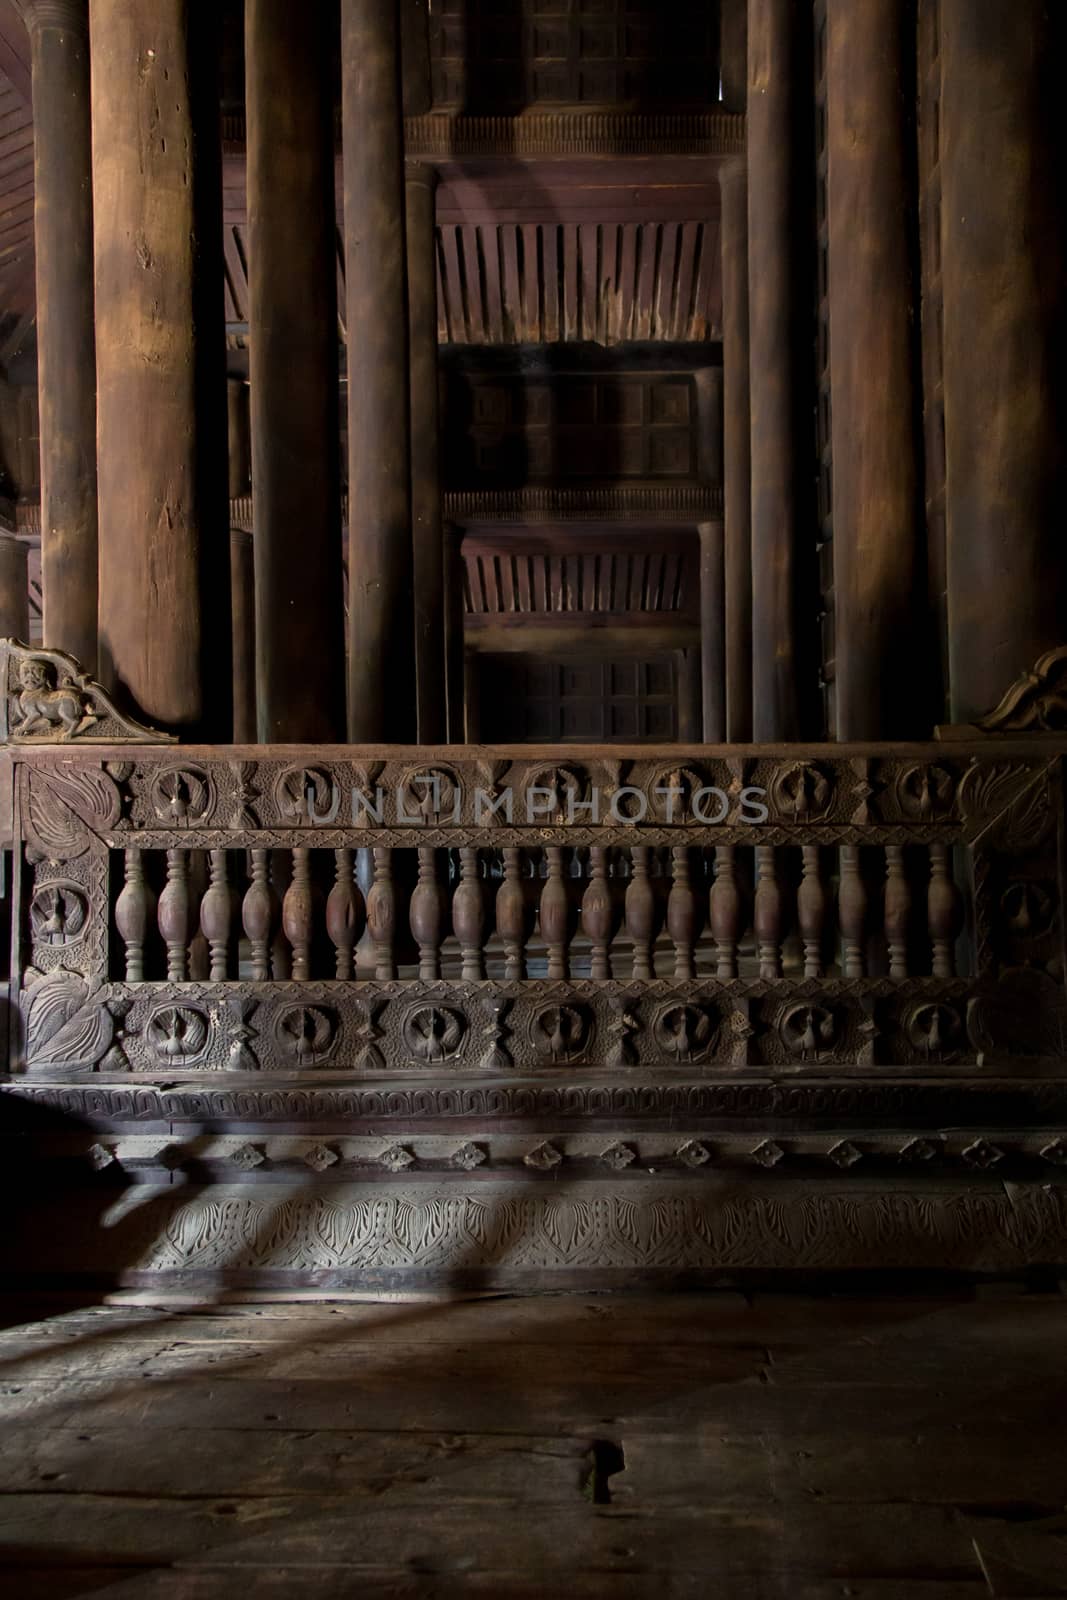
[(411, 798), (415, 1230)]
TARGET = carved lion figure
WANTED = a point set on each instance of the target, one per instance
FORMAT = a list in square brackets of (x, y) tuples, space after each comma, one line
[(45, 704)]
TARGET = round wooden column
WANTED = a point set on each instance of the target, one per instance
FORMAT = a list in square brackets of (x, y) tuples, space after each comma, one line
[(779, 311), (1004, 264), (429, 565), (713, 633), (293, 354), (381, 630), (164, 547), (688, 668), (242, 569), (66, 356), (737, 455), (879, 692), (14, 590)]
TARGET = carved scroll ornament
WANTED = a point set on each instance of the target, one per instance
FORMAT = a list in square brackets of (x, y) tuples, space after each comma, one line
[(47, 699), (1036, 701)]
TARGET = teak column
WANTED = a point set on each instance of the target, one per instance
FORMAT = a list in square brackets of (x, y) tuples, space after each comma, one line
[(1004, 264), (455, 642), (381, 633), (429, 565), (777, 159), (14, 589), (66, 358), (293, 354), (161, 406), (242, 570), (737, 454), (713, 616), (872, 374)]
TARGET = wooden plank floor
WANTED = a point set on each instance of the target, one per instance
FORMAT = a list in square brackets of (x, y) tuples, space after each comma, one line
[(700, 1445)]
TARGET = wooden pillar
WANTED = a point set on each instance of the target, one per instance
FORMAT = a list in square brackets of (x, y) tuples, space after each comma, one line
[(1004, 263), (293, 339), (690, 721), (381, 666), (66, 358), (429, 575), (780, 318), (737, 456), (472, 707), (161, 420), (713, 633), (243, 593), (242, 571), (733, 50), (455, 614), (14, 590), (879, 685)]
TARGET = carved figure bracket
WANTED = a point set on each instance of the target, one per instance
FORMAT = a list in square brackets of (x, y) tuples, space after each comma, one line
[(45, 698)]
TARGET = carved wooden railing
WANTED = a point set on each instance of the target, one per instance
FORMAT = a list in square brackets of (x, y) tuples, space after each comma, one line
[(384, 1016), (366, 911)]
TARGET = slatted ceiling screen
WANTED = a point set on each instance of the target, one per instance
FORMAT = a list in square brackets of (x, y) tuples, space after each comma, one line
[(527, 699), (16, 194), (557, 282), (658, 581)]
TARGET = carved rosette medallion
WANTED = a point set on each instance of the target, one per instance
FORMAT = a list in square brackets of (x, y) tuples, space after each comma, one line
[(802, 792), (433, 1033), (59, 912), (306, 1034), (808, 1031), (925, 793), (933, 1027), (559, 1033), (182, 796), (177, 1034), (304, 793), (430, 795), (685, 1033)]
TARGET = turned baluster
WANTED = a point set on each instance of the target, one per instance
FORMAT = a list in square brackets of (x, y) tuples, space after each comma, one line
[(852, 912), (381, 914), (944, 911), (811, 911), (468, 916), (555, 913), (598, 913), (281, 952), (298, 914), (199, 969), (897, 910), (133, 914), (216, 916), (427, 913), (682, 914), (767, 912), (261, 915), (725, 907), (175, 916), (511, 916), (345, 913), (641, 913)]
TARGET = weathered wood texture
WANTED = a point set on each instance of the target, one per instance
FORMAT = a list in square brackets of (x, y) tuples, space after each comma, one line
[(508, 1448), (429, 555), (243, 604), (779, 338), (872, 305), (294, 373), (66, 353), (713, 628), (1004, 241), (737, 453), (454, 641), (14, 589), (164, 551), (381, 653)]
